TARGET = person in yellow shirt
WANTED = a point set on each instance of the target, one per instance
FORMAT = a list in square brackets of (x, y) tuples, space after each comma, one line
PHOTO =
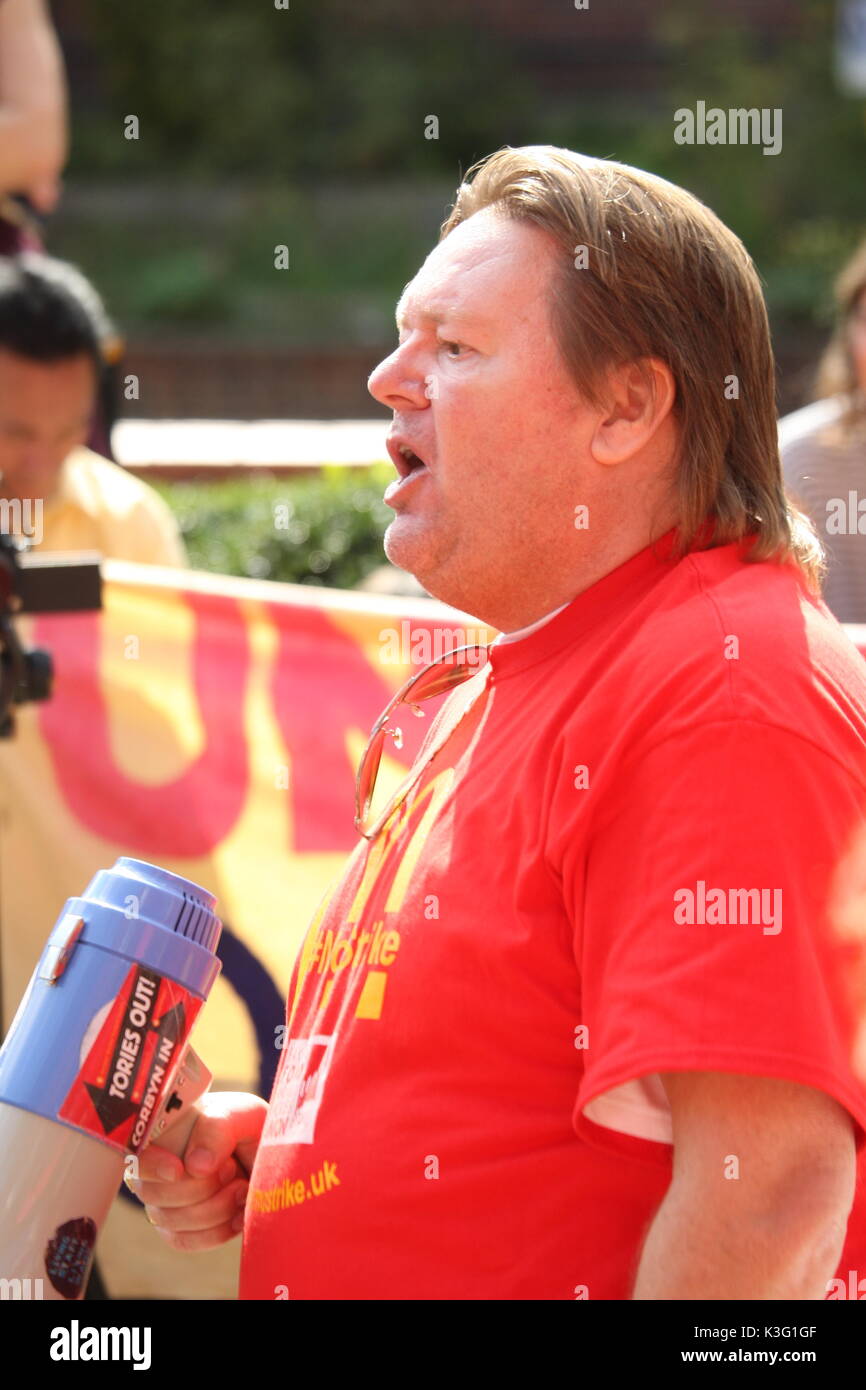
[(54, 490), (99, 506)]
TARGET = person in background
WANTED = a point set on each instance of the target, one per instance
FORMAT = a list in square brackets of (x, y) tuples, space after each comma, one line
[(823, 450), (34, 147), (52, 325), (34, 139)]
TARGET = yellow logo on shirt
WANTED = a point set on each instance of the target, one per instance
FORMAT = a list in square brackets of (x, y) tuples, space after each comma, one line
[(355, 947)]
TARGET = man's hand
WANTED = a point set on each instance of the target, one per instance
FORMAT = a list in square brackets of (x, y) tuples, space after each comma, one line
[(197, 1202), (762, 1187)]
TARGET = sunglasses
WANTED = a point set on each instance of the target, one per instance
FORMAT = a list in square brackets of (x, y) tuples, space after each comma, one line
[(445, 673)]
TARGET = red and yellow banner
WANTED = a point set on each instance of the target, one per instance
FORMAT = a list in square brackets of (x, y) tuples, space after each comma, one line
[(212, 726)]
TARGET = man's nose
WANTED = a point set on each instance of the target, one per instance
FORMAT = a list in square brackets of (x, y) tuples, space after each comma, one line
[(398, 380)]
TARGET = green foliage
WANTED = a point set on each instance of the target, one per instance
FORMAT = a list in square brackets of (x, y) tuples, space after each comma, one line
[(324, 88), (185, 285), (350, 254), (324, 528), (799, 212), (327, 92)]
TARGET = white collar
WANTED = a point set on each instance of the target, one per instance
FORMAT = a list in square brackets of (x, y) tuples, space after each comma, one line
[(521, 632)]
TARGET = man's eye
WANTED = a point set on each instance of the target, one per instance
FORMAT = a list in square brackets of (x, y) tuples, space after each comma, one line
[(445, 344)]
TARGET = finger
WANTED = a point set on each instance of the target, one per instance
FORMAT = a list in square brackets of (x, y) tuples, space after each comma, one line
[(215, 1211), (156, 1164), (231, 1122), (187, 1192), (191, 1241), (226, 1120)]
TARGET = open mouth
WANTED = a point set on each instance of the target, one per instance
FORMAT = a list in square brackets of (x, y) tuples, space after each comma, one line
[(407, 461), (408, 464)]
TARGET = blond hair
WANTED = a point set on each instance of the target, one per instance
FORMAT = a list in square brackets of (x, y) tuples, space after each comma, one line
[(664, 278)]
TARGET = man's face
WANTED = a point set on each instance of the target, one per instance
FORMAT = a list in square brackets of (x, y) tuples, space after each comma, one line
[(480, 393), (45, 410)]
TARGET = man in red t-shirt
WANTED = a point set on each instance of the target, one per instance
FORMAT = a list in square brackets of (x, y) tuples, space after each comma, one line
[(585, 1014)]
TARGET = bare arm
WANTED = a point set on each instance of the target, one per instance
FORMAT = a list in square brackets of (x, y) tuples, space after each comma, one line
[(33, 131), (762, 1187)]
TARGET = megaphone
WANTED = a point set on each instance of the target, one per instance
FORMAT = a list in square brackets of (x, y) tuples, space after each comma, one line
[(96, 1065)]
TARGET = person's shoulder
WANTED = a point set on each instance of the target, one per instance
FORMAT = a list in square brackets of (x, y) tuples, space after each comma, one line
[(134, 521), (105, 482), (85, 462), (737, 638), (768, 604)]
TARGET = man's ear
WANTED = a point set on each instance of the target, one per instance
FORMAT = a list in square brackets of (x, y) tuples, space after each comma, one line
[(638, 396)]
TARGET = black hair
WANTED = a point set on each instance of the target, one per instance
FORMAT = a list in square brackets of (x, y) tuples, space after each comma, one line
[(49, 311)]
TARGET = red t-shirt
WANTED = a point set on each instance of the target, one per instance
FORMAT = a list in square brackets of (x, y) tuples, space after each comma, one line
[(632, 855)]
